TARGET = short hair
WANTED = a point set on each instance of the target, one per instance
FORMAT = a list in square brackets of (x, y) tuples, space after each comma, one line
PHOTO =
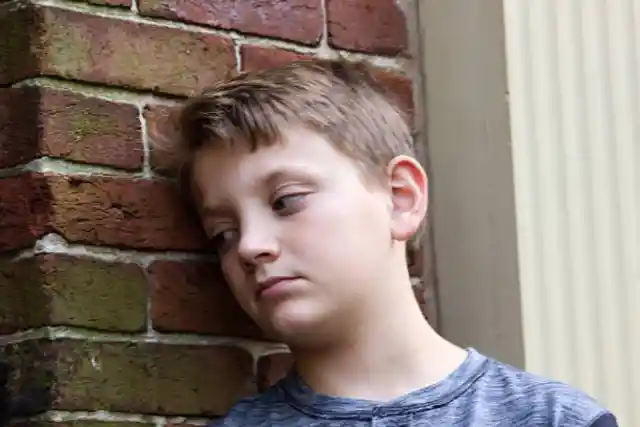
[(339, 100)]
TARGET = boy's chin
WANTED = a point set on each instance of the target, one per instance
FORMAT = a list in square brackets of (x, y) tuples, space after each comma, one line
[(297, 325)]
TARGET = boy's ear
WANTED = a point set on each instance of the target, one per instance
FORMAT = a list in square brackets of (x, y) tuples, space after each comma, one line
[(409, 196)]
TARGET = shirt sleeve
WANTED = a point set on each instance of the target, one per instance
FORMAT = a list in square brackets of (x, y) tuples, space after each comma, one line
[(605, 420)]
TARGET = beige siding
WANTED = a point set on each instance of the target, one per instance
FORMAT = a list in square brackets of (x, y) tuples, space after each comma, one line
[(573, 72), (533, 120)]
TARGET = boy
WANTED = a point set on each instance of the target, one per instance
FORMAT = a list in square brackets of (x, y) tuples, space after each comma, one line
[(306, 184)]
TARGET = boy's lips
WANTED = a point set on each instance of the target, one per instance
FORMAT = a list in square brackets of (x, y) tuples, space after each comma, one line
[(269, 284)]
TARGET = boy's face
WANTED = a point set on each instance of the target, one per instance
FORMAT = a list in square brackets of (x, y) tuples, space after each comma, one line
[(302, 237)]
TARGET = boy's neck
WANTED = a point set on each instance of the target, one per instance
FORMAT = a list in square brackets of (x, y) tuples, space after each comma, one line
[(383, 356)]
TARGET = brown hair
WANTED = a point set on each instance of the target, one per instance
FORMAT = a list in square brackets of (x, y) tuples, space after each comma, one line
[(340, 100)]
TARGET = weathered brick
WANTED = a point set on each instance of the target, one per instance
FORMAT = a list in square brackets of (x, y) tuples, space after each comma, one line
[(17, 58), (260, 57), (77, 375), (156, 117), (19, 132), (193, 297), (415, 260), (120, 212), (38, 122), (31, 376), (297, 20), (373, 26), (62, 290), (125, 53), (272, 368), (399, 89), (24, 211), (426, 298), (90, 130)]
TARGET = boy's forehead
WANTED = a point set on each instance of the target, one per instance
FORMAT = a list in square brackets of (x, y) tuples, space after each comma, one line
[(221, 174), (297, 149)]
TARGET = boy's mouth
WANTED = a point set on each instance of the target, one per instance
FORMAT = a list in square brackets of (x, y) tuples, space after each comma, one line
[(270, 285)]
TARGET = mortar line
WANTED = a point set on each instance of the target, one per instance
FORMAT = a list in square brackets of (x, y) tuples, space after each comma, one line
[(100, 90), (144, 135), (53, 243), (324, 48), (237, 49), (255, 347), (46, 164), (109, 416)]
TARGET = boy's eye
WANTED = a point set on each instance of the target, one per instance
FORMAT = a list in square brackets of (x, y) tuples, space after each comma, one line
[(223, 239), (288, 205)]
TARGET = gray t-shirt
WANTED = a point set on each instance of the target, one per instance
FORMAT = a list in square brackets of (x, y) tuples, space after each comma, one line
[(481, 392)]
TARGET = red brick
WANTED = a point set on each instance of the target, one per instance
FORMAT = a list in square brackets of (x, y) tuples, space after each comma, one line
[(297, 20), (193, 297), (140, 214), (61, 290), (38, 122), (156, 117), (399, 89), (259, 57), (76, 375), (415, 260), (90, 130), (19, 132), (17, 25), (24, 211), (120, 212), (426, 297), (373, 26), (272, 368), (118, 52)]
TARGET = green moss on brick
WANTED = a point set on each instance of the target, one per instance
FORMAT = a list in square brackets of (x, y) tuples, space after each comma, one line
[(83, 375), (84, 124), (95, 294), (66, 48), (67, 291), (21, 305)]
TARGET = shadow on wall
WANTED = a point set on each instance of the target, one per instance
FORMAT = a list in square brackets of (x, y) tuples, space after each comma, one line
[(4, 394), (10, 406), (23, 204)]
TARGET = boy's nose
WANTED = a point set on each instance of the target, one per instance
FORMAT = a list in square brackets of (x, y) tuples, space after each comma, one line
[(259, 245)]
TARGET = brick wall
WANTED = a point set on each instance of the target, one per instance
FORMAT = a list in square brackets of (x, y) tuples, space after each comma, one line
[(110, 311)]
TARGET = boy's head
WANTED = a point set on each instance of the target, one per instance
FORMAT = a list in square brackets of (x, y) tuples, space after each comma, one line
[(306, 184)]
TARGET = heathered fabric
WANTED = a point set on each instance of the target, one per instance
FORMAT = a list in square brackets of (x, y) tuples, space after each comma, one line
[(481, 392)]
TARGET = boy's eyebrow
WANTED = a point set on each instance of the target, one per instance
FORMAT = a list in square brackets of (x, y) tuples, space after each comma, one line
[(269, 180), (284, 172)]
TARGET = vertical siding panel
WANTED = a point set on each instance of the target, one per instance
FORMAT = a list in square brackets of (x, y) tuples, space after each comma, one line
[(573, 70)]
